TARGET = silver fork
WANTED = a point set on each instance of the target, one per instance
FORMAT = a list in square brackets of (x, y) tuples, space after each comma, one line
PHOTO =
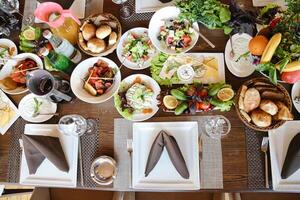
[(130, 149), (264, 149), (200, 144), (231, 51)]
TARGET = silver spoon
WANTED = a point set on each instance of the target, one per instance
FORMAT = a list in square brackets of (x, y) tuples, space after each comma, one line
[(231, 54), (37, 114), (264, 149)]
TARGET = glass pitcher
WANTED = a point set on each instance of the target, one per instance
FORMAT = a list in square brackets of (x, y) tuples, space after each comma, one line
[(62, 22)]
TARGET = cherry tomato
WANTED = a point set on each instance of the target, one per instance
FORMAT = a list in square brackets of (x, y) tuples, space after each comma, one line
[(186, 39), (203, 92), (203, 105)]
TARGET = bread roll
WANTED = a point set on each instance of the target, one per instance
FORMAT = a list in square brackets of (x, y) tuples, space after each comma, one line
[(103, 31), (261, 118), (268, 106), (88, 32), (251, 99), (242, 96), (112, 38), (283, 112), (244, 114), (96, 45)]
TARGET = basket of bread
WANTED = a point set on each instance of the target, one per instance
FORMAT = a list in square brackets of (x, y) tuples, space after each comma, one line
[(262, 105), (99, 34)]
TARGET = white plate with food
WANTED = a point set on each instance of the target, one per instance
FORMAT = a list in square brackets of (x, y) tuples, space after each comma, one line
[(279, 140), (8, 50), (239, 65), (164, 175), (48, 175), (135, 49), (188, 68), (95, 80), (13, 74), (169, 34), (36, 109), (8, 113), (136, 99), (295, 94)]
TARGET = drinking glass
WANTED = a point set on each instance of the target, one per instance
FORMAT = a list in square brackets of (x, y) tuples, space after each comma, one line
[(13, 6), (217, 127), (76, 125), (126, 11)]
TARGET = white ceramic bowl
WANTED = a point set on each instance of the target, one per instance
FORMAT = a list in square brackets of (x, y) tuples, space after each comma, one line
[(150, 82), (8, 43), (26, 111), (127, 63), (81, 71), (157, 20), (9, 67)]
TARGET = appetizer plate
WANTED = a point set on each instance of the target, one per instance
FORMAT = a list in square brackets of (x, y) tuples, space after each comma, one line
[(157, 20), (164, 175), (279, 141), (10, 44), (149, 82), (129, 64), (243, 67), (150, 5), (47, 174), (295, 94), (26, 108), (81, 71), (9, 67), (8, 113)]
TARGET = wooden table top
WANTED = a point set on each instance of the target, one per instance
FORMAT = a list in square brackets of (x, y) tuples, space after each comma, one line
[(233, 146)]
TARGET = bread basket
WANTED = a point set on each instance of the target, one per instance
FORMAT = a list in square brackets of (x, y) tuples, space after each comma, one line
[(109, 49), (275, 124)]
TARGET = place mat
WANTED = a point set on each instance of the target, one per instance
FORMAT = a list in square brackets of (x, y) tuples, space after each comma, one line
[(211, 166), (89, 149), (256, 159)]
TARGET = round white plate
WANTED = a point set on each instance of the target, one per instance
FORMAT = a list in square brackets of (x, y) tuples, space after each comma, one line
[(9, 66), (157, 20), (296, 93), (127, 63), (235, 67), (8, 43), (81, 71), (151, 83), (26, 111)]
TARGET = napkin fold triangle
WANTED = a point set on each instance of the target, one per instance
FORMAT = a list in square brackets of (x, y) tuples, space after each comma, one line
[(165, 140), (37, 148), (292, 158)]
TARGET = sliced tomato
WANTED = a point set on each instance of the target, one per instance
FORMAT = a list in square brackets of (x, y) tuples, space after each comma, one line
[(203, 105), (186, 40)]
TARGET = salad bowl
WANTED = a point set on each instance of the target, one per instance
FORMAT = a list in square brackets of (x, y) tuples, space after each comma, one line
[(135, 49), (161, 25)]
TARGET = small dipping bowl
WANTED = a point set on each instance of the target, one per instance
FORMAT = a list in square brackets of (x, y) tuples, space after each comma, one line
[(104, 170)]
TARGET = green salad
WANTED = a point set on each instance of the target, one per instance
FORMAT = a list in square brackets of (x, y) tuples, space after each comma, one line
[(137, 48)]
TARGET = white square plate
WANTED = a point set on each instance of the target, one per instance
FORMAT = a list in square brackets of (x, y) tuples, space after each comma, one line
[(47, 174), (11, 112), (142, 6), (164, 176), (280, 139)]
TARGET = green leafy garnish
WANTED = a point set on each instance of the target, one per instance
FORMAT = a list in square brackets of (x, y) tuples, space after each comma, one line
[(2, 53), (37, 105), (270, 70), (212, 13), (222, 105)]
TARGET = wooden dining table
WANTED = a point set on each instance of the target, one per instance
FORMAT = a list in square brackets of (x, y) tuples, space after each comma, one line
[(235, 172)]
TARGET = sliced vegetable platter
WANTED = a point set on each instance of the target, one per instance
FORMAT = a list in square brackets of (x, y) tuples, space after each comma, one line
[(190, 99)]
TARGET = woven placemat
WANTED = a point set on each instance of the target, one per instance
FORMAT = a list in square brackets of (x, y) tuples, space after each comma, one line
[(256, 159), (211, 167), (137, 16), (89, 149)]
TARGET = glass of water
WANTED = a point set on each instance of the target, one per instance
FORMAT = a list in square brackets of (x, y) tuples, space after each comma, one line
[(126, 11), (76, 125), (217, 127)]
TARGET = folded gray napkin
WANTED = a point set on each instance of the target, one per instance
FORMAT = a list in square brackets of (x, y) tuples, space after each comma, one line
[(292, 158), (164, 140), (37, 148)]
